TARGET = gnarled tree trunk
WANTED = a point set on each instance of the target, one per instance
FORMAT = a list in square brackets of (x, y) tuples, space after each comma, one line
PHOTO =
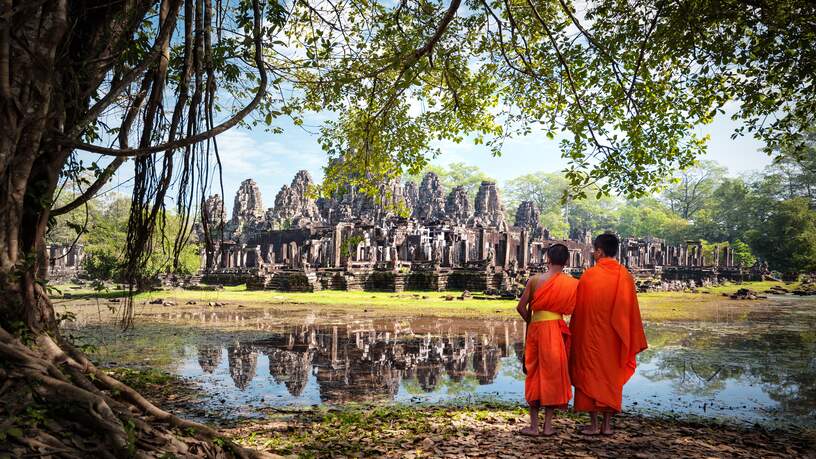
[(54, 56)]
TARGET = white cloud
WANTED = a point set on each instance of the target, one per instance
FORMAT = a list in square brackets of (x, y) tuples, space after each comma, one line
[(271, 160), (241, 154)]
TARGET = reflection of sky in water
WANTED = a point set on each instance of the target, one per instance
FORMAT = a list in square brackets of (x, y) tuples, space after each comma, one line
[(734, 397), (750, 364)]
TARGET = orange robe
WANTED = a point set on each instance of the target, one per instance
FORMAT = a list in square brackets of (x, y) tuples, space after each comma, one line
[(546, 352), (607, 334)]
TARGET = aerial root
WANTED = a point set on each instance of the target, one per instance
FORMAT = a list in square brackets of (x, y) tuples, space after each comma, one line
[(124, 424)]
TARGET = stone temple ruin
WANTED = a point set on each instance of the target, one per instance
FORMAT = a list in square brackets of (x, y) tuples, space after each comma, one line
[(352, 241), (64, 261)]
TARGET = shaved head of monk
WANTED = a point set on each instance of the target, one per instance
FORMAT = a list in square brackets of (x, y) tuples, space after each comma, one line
[(605, 245), (607, 334), (546, 298)]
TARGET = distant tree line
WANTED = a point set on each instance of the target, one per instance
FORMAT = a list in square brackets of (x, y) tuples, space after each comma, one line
[(769, 215), (101, 227)]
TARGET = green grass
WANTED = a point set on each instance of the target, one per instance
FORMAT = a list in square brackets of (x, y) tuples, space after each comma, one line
[(415, 303), (757, 286), (654, 306)]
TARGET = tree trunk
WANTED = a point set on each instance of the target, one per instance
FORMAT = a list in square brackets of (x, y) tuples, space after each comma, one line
[(29, 164), (45, 87)]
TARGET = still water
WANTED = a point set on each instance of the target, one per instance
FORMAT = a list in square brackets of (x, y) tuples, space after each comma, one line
[(754, 364)]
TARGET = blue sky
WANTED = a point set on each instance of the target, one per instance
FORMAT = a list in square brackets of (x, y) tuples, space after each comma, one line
[(273, 159)]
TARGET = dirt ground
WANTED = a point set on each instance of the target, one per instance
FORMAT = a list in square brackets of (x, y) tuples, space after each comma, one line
[(492, 432), (481, 430)]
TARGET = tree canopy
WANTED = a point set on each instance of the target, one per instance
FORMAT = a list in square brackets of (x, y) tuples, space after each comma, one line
[(626, 82)]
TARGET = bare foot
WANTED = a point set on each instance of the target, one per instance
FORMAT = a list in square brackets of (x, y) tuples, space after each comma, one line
[(529, 432), (607, 431), (548, 432), (589, 430)]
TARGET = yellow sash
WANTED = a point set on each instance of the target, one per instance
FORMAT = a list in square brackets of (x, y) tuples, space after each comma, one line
[(545, 315)]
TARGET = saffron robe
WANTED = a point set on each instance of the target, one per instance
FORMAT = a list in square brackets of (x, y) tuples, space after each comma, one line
[(607, 334), (547, 347)]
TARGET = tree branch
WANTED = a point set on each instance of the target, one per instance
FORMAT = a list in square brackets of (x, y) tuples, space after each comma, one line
[(641, 55), (597, 46), (91, 191), (419, 53), (164, 34), (202, 136), (567, 71)]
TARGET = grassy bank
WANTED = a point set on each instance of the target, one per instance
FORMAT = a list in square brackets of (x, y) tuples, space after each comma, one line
[(658, 306)]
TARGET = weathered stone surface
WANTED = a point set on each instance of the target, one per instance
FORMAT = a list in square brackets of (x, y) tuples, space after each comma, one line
[(528, 216), (392, 196), (214, 215), (214, 209), (248, 204), (410, 194), (464, 251), (489, 210), (457, 206), (294, 203), (430, 203)]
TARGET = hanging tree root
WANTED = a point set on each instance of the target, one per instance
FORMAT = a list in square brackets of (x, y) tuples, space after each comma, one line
[(54, 401)]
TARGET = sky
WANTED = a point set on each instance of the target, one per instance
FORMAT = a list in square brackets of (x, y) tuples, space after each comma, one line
[(273, 159)]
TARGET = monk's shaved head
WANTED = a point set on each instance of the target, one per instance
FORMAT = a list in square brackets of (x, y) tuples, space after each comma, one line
[(608, 243), (558, 254)]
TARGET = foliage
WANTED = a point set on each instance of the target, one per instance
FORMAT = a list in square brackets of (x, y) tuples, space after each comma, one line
[(743, 256), (787, 240), (592, 214), (546, 190), (105, 241), (626, 82), (746, 213), (351, 245), (693, 187), (456, 174), (66, 228), (650, 217)]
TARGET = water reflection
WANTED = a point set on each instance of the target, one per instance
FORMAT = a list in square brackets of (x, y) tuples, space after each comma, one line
[(291, 369), (243, 363), (364, 361), (209, 357), (765, 371), (750, 362)]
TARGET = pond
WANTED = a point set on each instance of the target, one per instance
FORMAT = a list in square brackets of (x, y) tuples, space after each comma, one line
[(748, 364)]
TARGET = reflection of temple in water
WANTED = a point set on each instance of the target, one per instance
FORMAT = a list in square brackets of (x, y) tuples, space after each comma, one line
[(242, 364), (363, 362), (209, 357), (486, 363), (290, 369), (456, 356)]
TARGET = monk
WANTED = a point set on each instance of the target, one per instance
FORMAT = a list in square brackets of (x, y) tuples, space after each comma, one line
[(607, 334), (545, 299)]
